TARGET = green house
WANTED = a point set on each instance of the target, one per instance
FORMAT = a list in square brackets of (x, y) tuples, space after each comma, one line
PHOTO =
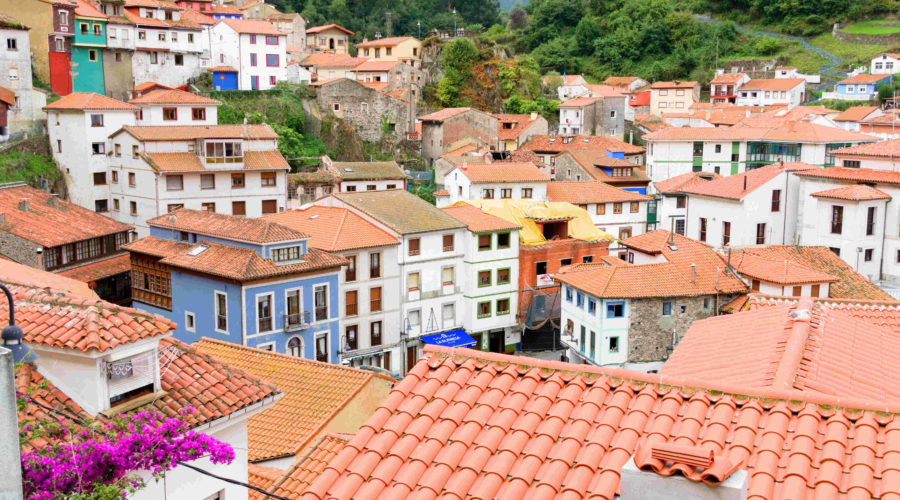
[(87, 51)]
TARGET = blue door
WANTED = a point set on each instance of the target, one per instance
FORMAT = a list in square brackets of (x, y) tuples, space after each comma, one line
[(254, 83), (225, 80)]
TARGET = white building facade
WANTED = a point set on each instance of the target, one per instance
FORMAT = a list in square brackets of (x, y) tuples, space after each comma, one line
[(256, 48), (15, 75)]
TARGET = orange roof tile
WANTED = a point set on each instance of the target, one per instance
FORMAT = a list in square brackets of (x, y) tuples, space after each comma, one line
[(90, 101), (265, 160), (198, 17), (258, 230), (850, 284), (580, 102), (49, 221), (317, 29), (787, 131), (142, 87), (174, 162), (502, 172), (584, 192), (7, 96), (333, 229), (774, 270), (55, 319), (728, 78), (603, 91), (222, 69), (172, 96), (84, 9), (736, 187), (674, 185), (518, 125), (672, 85), (855, 113), (773, 84), (367, 170), (478, 221), (314, 393), (100, 269), (856, 192), (19, 274), (373, 65), (620, 80), (442, 192), (306, 469), (546, 429), (262, 131), (221, 8), (443, 114), (867, 175), (798, 345), (864, 78), (883, 313), (889, 148), (736, 305), (262, 477), (559, 143), (594, 161), (252, 26), (382, 42), (332, 60)]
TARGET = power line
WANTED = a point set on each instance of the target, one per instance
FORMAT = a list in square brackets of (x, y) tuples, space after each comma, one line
[(82, 423)]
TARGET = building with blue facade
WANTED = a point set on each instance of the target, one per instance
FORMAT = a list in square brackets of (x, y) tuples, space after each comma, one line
[(224, 78), (862, 87), (246, 281)]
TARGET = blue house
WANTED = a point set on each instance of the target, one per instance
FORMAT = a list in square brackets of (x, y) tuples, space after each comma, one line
[(246, 281), (861, 87), (224, 78)]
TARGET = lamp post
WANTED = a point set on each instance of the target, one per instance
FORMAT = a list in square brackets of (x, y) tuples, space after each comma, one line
[(454, 22), (12, 351), (419, 27), (404, 337)]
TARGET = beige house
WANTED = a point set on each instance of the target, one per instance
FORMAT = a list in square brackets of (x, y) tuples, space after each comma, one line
[(292, 25), (257, 10), (667, 97), (329, 39), (398, 48)]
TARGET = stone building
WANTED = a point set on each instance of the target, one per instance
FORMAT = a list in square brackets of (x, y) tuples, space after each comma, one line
[(451, 128), (292, 25), (373, 113)]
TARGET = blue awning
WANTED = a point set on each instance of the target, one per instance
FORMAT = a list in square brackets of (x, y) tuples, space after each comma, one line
[(452, 338)]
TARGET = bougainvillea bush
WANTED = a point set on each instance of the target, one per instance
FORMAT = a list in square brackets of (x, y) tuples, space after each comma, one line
[(102, 460)]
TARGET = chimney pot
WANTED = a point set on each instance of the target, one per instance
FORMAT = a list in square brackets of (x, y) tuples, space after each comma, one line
[(745, 182), (53, 200), (24, 205)]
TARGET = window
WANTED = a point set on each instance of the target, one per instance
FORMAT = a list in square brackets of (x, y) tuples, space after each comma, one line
[(448, 243), (118, 150), (99, 178), (115, 177), (207, 181), (635, 206), (375, 333), (579, 300), (814, 290), (98, 148), (776, 200), (679, 226), (96, 120), (336, 107), (135, 151), (667, 309), (484, 309), (617, 207), (718, 148), (502, 306), (190, 322), (413, 246), (837, 219), (320, 302), (131, 181), (133, 207), (680, 201), (503, 276), (448, 313), (190, 38), (237, 181), (84, 28), (484, 278), (565, 262), (271, 40), (173, 207), (59, 44), (587, 259), (448, 276), (100, 206), (170, 114), (613, 344), (867, 254), (269, 207), (526, 193), (179, 59), (540, 268), (63, 17), (295, 347), (570, 294), (162, 37), (835, 250), (209, 206), (506, 193), (174, 182), (412, 282), (142, 35), (726, 233), (484, 242), (272, 60), (198, 114), (375, 265), (375, 299), (706, 303), (154, 58), (702, 236), (252, 59), (272, 80), (487, 193), (115, 204), (761, 233), (350, 303), (322, 347), (870, 221), (592, 306), (223, 152), (601, 208), (502, 240), (350, 271), (238, 208), (851, 164), (615, 310), (797, 291)]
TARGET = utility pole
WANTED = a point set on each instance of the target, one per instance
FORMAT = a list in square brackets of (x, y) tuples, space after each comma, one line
[(388, 25)]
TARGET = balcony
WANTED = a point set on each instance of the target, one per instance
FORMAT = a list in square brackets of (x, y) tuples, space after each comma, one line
[(297, 321)]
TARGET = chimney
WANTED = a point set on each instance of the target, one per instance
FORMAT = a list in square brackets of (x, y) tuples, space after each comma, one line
[(24, 205), (40, 257), (534, 115), (2, 219), (53, 200), (745, 182), (693, 273)]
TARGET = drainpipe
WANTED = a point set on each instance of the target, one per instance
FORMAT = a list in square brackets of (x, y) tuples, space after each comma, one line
[(883, 234), (787, 197)]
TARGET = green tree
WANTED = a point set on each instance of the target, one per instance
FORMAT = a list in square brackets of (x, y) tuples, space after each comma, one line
[(586, 33)]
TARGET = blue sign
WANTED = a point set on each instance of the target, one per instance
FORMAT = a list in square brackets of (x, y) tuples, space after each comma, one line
[(453, 338)]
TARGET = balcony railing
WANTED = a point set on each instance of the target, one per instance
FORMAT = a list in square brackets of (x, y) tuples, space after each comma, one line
[(297, 321)]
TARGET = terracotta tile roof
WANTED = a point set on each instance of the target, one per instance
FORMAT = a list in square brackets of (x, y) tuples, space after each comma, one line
[(855, 113), (773, 84), (777, 270), (333, 229), (186, 132), (442, 192), (736, 305), (882, 313), (462, 150), (674, 185), (770, 347), (530, 214), (519, 124), (368, 170), (258, 230), (314, 392), (594, 161), (372, 65), (332, 60), (99, 269), (9, 22), (584, 192), (654, 242), (443, 114), (381, 42), (864, 78), (736, 187), (90, 101), (220, 8), (620, 80), (850, 284), (866, 175), (54, 319), (317, 29), (265, 160), (856, 192), (84, 9), (557, 143), (307, 468), (252, 26), (728, 78), (787, 131), (198, 18), (19, 274), (319, 83), (251, 3), (172, 96), (399, 210), (478, 221), (222, 69), (502, 172), (672, 85), (262, 477), (174, 162), (546, 429), (580, 102), (49, 225), (7, 96), (888, 148)]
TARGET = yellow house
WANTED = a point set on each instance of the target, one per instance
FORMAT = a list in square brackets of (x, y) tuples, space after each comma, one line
[(330, 39), (673, 97), (398, 48)]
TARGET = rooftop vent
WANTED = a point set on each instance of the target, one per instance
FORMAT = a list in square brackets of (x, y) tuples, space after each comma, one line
[(347, 169), (53, 200), (800, 315), (314, 216), (197, 250), (24, 205), (586, 140), (553, 139)]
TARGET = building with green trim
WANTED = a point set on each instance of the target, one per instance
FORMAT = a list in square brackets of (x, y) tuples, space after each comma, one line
[(87, 49)]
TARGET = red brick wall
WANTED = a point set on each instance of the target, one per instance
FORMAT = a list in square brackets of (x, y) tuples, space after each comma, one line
[(552, 254)]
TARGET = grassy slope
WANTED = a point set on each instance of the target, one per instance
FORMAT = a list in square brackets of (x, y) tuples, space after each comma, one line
[(873, 27)]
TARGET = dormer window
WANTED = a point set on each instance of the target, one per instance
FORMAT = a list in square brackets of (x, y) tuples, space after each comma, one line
[(223, 152), (621, 172), (131, 377), (286, 254)]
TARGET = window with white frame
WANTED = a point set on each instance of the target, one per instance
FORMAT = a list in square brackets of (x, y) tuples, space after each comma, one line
[(190, 322), (264, 321), (221, 305), (320, 299)]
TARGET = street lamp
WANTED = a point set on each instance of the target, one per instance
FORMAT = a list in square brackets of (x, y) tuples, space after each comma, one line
[(419, 27), (404, 337), (454, 21), (12, 334)]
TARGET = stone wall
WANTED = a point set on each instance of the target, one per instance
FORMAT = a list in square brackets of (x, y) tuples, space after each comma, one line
[(17, 249), (364, 108), (650, 334), (38, 144), (117, 74), (887, 39)]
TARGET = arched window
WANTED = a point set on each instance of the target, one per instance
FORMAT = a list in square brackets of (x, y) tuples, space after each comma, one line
[(295, 347)]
